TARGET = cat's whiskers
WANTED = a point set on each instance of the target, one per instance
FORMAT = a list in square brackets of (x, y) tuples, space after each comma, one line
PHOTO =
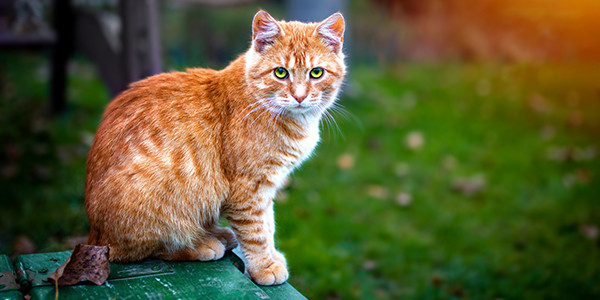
[(330, 121), (252, 107), (263, 103), (266, 109), (325, 120), (348, 116), (279, 112)]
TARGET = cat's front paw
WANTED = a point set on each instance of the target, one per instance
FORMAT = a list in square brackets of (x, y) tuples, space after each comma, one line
[(211, 249), (274, 274), (278, 256)]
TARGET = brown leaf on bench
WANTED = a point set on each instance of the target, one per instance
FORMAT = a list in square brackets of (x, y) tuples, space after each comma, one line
[(86, 263)]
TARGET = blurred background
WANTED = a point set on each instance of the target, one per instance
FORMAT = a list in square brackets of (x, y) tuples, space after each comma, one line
[(464, 164)]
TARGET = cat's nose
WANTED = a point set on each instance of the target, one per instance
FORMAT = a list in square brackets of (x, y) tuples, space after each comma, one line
[(299, 92), (299, 97)]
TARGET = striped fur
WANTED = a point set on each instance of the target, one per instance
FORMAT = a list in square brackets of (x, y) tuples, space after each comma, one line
[(178, 151)]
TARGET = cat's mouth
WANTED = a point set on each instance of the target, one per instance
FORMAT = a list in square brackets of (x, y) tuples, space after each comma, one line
[(300, 109), (307, 106)]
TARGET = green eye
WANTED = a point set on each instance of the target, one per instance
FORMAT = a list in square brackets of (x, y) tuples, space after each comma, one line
[(280, 73), (316, 73)]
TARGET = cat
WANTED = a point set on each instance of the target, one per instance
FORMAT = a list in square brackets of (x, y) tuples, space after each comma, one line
[(177, 151)]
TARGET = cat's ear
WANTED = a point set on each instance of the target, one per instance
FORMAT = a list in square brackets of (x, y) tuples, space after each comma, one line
[(331, 30), (265, 30)]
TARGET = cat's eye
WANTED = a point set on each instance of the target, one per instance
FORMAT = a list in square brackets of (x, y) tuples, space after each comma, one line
[(316, 73), (280, 73)]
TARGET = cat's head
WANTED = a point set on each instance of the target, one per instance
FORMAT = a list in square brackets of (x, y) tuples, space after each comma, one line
[(296, 68)]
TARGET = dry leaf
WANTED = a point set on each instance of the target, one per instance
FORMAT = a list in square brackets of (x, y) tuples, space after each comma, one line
[(580, 177), (560, 154), (377, 191), (415, 140), (86, 263), (437, 281), (589, 231), (470, 186), (345, 161), (458, 291), (369, 265), (584, 154), (403, 199)]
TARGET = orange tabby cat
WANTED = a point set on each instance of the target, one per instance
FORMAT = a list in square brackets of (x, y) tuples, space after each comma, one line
[(179, 150)]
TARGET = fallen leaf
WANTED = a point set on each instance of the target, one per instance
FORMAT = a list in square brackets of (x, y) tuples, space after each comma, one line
[(374, 144), (559, 154), (345, 161), (589, 231), (458, 291), (377, 191), (415, 140), (369, 265), (579, 177), (584, 154), (437, 281), (470, 186), (404, 199), (86, 263), (583, 175)]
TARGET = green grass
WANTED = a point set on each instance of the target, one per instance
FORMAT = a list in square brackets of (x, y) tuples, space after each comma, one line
[(521, 235), (518, 238)]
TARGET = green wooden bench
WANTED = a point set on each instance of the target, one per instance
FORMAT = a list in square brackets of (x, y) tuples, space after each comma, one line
[(150, 279)]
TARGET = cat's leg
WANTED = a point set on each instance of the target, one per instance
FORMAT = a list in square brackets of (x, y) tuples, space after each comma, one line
[(252, 220), (208, 248), (226, 236), (271, 220)]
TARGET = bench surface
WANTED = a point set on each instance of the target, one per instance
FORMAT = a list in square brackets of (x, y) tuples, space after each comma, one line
[(150, 279)]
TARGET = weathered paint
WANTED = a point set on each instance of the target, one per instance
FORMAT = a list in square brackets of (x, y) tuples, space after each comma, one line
[(153, 279), (8, 280)]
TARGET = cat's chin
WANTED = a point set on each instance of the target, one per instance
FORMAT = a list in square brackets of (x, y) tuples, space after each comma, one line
[(302, 110)]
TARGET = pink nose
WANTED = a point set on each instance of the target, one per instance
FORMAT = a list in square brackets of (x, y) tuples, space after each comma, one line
[(299, 98)]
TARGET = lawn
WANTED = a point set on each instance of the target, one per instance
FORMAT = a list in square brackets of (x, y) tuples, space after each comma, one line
[(439, 181)]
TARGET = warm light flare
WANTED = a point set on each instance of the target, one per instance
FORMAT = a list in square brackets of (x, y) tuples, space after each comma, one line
[(515, 30)]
